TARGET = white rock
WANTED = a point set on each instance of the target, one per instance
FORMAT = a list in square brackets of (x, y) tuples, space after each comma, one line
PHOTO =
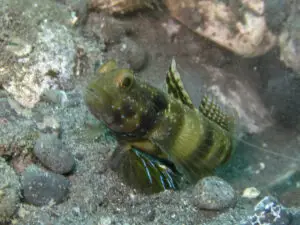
[(242, 31), (250, 192)]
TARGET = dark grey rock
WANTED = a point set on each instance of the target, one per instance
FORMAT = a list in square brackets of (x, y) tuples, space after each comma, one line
[(269, 211), (296, 218), (282, 96), (135, 54), (41, 187), (213, 193), (109, 29), (52, 153), (9, 191), (276, 12)]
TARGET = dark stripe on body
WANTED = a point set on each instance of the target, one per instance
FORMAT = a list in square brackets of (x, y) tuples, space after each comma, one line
[(205, 145), (158, 103), (198, 165)]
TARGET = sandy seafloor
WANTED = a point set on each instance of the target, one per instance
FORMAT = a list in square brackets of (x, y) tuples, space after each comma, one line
[(98, 196)]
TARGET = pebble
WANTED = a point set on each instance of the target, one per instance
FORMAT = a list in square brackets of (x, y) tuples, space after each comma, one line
[(251, 192), (42, 188), (80, 9), (135, 54), (19, 47), (55, 96), (213, 193), (19, 109), (53, 154), (269, 211), (49, 123), (9, 191)]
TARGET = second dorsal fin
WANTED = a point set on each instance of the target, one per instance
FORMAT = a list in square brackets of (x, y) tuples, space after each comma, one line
[(175, 86), (213, 112)]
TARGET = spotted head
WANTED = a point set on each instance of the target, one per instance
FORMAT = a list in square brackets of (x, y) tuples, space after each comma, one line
[(124, 103)]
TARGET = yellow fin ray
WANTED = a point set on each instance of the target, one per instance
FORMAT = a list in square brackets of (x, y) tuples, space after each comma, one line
[(175, 86)]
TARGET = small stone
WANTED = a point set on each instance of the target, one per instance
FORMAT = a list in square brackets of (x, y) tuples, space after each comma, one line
[(9, 191), (213, 193), (54, 96), (105, 220), (251, 192), (79, 156), (52, 154), (19, 47), (76, 211), (150, 216), (49, 123), (79, 11), (20, 110), (135, 54), (42, 188)]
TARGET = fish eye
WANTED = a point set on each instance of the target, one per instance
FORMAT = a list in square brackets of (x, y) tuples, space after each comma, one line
[(126, 82)]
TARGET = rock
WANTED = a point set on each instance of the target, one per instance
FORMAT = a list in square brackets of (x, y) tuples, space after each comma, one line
[(49, 123), (289, 39), (250, 193), (269, 211), (296, 218), (238, 97), (135, 54), (213, 193), (121, 6), (110, 29), (42, 188), (54, 96), (282, 96), (9, 191), (238, 26), (19, 47), (19, 109), (53, 154), (40, 49), (79, 11), (276, 12), (6, 110)]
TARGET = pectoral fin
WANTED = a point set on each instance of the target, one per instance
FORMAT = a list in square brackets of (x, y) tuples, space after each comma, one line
[(142, 170)]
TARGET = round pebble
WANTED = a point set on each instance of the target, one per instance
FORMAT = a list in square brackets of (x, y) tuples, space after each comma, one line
[(53, 155), (251, 192), (135, 55), (9, 191), (41, 188), (213, 193)]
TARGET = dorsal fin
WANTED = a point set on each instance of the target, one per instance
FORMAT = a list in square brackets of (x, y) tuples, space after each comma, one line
[(175, 86), (214, 113)]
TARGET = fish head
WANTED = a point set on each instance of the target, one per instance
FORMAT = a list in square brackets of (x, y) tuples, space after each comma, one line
[(121, 101)]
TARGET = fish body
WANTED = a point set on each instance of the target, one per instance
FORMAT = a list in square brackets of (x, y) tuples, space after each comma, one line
[(162, 136)]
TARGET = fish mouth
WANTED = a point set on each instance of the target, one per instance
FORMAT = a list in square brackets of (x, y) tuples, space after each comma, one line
[(98, 102)]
